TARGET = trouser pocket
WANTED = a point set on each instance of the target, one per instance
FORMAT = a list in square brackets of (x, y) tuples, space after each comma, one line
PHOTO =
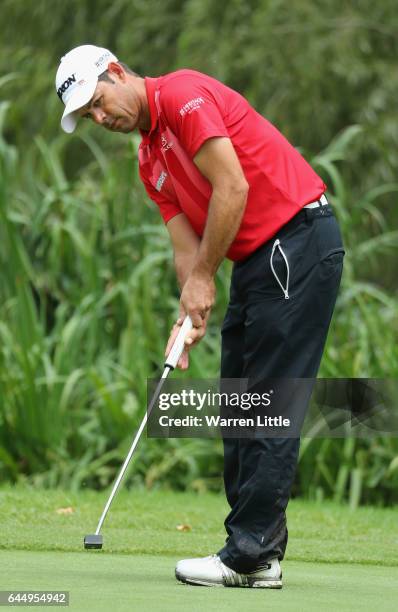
[(284, 287)]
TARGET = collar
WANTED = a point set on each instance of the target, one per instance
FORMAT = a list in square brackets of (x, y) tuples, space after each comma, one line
[(151, 85)]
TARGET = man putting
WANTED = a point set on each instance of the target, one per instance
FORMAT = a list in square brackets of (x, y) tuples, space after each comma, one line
[(228, 184)]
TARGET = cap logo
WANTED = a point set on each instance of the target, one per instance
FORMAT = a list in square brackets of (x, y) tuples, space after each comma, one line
[(67, 83), (102, 59)]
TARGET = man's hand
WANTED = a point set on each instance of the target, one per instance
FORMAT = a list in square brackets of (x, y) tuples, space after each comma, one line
[(183, 361), (197, 299)]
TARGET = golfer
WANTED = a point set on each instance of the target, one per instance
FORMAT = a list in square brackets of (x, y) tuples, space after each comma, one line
[(228, 184)]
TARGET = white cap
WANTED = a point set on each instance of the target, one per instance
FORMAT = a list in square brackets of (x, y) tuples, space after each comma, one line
[(77, 78)]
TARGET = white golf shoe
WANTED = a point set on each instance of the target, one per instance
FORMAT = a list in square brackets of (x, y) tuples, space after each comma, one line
[(211, 571)]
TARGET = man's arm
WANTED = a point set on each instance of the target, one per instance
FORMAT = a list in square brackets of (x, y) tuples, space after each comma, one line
[(197, 260), (185, 245), (218, 162)]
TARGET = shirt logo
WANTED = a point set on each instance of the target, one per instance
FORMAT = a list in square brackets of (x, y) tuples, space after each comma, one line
[(191, 106), (161, 180), (67, 83), (165, 145)]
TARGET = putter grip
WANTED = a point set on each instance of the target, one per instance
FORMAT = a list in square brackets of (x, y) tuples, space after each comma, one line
[(178, 346)]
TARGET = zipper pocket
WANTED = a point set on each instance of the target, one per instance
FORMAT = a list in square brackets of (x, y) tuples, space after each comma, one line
[(277, 243)]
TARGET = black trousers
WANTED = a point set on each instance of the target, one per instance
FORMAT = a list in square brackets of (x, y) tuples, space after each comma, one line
[(274, 326)]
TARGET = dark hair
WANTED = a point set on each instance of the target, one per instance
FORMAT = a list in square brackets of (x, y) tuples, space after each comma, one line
[(105, 75)]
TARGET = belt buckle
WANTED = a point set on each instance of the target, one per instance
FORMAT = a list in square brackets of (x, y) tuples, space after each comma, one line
[(318, 203)]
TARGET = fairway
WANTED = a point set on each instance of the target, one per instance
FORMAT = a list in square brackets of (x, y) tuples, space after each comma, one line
[(101, 581)]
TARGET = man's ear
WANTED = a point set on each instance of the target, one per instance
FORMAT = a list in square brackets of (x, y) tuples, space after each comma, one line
[(117, 70)]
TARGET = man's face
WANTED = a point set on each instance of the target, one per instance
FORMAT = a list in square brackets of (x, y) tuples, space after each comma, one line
[(116, 106)]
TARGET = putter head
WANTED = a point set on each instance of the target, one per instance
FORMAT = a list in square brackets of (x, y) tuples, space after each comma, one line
[(93, 541)]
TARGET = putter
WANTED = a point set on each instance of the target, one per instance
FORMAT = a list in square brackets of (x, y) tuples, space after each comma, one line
[(95, 540)]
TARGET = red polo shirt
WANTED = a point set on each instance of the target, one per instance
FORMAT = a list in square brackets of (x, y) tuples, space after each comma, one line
[(186, 109)]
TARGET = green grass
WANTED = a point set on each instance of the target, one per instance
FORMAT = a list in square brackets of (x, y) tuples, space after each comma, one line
[(336, 558), (145, 583), (143, 521)]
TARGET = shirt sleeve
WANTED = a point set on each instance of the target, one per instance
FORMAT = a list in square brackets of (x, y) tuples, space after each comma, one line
[(168, 209), (193, 111)]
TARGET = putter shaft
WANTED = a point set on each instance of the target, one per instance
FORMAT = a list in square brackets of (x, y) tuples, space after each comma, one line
[(171, 362), (133, 446)]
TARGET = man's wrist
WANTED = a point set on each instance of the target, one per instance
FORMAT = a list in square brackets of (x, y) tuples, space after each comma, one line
[(203, 270)]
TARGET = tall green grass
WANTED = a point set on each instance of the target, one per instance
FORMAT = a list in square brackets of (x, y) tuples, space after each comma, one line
[(362, 340), (87, 299)]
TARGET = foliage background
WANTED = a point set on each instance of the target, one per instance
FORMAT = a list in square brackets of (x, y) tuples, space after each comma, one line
[(87, 291)]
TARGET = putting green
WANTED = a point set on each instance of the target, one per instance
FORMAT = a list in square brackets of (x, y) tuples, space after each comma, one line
[(103, 581)]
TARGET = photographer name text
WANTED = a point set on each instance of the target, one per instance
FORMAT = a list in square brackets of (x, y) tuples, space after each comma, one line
[(217, 421)]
